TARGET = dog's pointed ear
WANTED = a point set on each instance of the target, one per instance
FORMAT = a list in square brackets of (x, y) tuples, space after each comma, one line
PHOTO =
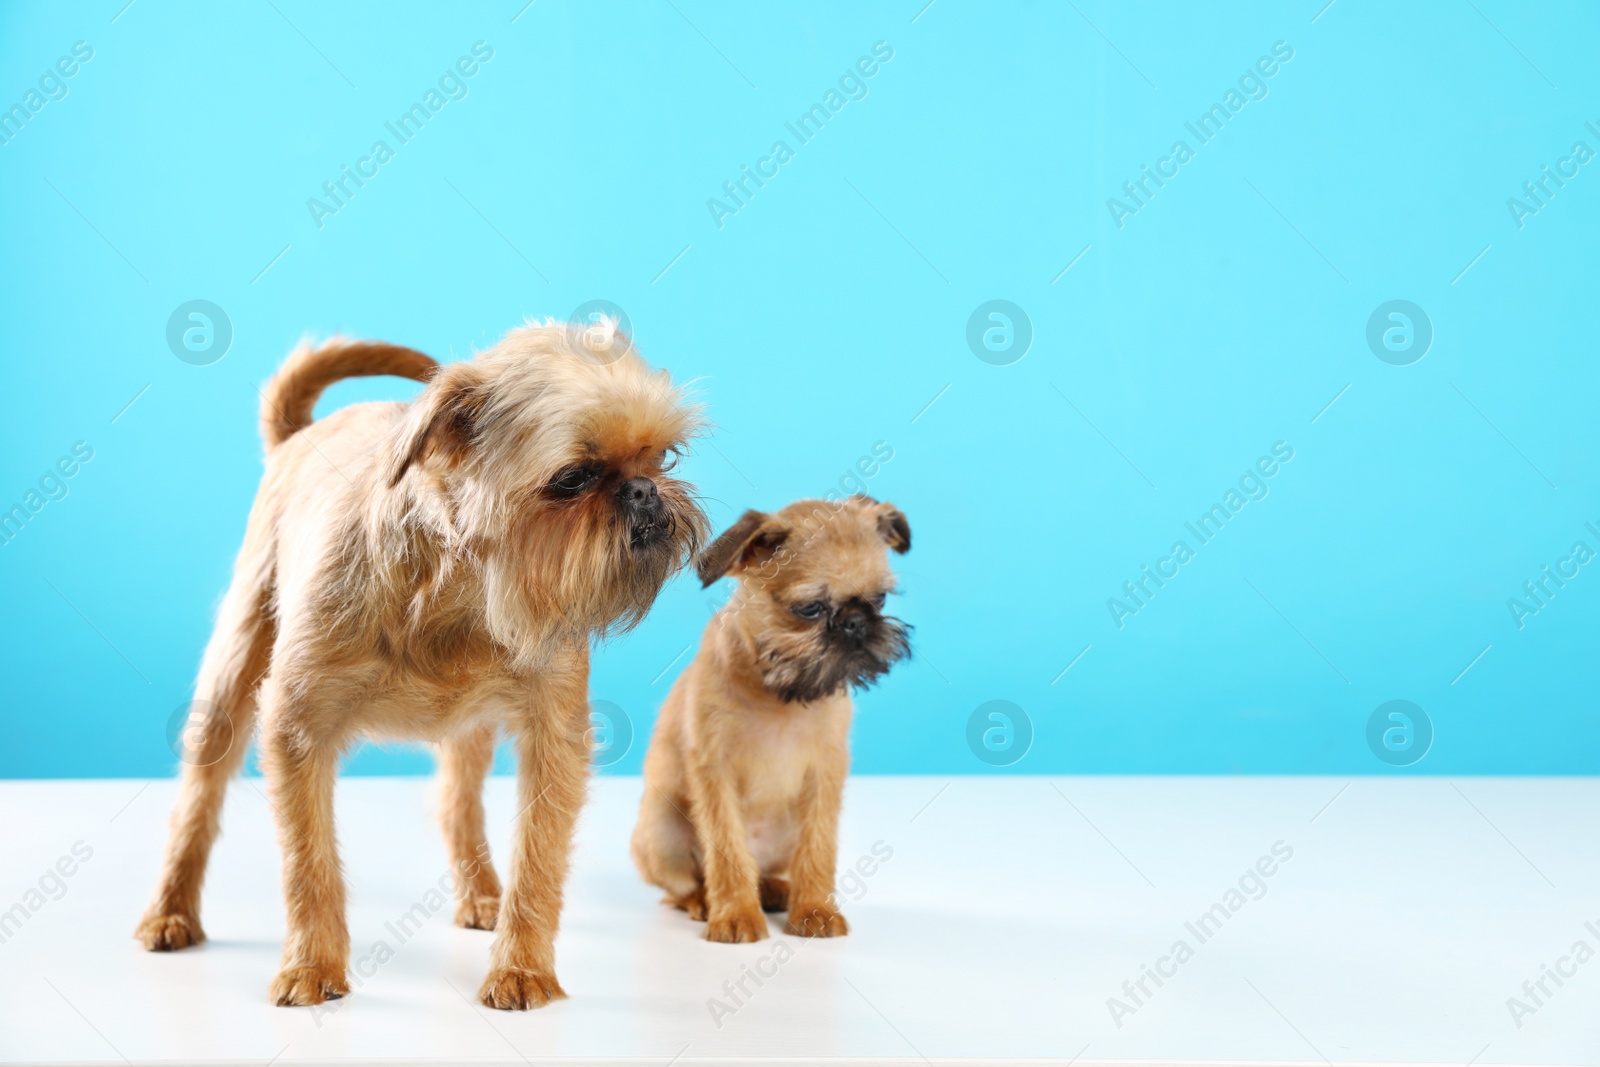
[(893, 528), (755, 537), (441, 421)]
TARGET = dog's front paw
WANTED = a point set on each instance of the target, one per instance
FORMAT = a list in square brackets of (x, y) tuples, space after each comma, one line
[(477, 913), (821, 921), (516, 989), (166, 933), (298, 986), (737, 928)]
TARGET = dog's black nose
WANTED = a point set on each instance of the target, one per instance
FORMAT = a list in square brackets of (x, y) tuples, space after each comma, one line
[(639, 496), (854, 626)]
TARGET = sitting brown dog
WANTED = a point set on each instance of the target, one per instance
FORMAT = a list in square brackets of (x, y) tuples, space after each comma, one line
[(433, 571), (745, 774)]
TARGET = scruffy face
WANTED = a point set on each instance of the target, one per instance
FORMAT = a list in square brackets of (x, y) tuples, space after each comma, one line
[(546, 460), (813, 579)]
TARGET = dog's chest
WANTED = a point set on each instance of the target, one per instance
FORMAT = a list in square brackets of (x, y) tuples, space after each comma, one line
[(779, 754), (778, 751), (769, 832)]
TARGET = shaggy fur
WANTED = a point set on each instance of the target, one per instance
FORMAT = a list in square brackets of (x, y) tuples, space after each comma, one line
[(745, 775), (433, 571)]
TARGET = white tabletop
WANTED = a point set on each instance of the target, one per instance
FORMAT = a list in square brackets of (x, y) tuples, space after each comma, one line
[(1009, 913)]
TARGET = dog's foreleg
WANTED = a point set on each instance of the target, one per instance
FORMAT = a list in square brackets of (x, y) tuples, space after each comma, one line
[(552, 772), (301, 774), (213, 743), (732, 896), (813, 911), (464, 762)]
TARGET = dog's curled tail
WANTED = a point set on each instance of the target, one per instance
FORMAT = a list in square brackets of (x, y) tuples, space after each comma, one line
[(290, 395)]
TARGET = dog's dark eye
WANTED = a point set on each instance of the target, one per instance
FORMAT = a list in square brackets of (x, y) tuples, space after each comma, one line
[(879, 600), (811, 610), (573, 480)]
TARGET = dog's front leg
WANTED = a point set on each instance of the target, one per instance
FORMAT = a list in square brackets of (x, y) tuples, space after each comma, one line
[(464, 760), (301, 775), (733, 900), (812, 908), (552, 771)]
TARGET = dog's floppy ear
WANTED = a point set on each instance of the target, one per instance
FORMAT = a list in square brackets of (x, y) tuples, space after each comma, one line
[(441, 421), (754, 537), (893, 528)]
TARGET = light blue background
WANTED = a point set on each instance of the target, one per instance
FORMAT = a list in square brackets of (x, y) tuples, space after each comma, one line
[(829, 312)]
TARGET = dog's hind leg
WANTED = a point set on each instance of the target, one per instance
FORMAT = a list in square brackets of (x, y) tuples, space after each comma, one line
[(693, 902), (212, 746), (664, 852), (302, 765), (774, 894), (464, 761)]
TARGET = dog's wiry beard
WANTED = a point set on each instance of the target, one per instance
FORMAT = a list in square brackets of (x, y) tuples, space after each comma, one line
[(810, 665), (567, 572)]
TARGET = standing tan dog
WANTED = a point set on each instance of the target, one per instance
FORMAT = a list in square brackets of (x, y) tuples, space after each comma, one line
[(433, 571), (745, 774)]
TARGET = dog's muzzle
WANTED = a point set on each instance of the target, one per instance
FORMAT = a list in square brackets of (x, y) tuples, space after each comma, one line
[(646, 515)]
